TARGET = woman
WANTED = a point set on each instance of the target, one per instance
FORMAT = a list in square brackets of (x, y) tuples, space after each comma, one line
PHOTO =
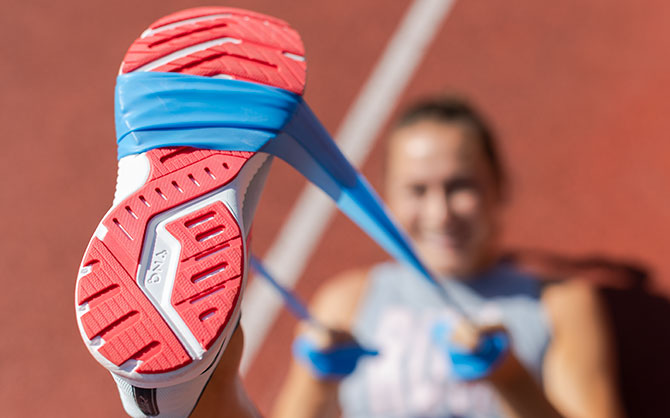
[(446, 187)]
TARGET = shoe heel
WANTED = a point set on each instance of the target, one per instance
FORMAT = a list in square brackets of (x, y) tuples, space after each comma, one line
[(161, 278)]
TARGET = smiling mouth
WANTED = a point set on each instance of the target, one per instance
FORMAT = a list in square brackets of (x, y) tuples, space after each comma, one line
[(442, 239)]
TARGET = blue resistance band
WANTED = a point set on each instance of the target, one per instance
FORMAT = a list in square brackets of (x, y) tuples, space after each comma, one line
[(155, 109), (294, 305), (167, 109), (471, 365)]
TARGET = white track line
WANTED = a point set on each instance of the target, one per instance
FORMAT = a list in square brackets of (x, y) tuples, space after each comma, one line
[(356, 135)]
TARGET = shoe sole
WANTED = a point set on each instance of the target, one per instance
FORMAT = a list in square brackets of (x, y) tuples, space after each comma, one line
[(159, 288)]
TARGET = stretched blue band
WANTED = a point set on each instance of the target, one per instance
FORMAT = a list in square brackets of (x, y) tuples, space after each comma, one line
[(291, 301), (334, 363), (202, 112), (471, 365), (165, 109)]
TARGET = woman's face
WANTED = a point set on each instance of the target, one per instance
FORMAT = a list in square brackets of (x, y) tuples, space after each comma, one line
[(442, 190)]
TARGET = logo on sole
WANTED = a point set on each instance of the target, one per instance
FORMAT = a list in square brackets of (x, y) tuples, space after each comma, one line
[(156, 271)]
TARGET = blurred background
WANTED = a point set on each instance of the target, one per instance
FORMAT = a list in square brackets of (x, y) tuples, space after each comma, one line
[(578, 92)]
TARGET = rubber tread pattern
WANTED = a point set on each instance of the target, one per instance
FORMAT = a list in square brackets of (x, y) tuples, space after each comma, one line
[(209, 274), (119, 313), (160, 194), (144, 336), (258, 58)]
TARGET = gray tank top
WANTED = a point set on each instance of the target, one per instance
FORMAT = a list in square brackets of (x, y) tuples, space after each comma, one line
[(411, 377)]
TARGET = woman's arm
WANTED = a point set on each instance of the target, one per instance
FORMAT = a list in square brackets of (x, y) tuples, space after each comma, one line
[(521, 396), (579, 375), (335, 305), (305, 396), (579, 368)]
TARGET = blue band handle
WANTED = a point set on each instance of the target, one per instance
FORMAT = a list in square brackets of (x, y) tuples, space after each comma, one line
[(334, 363), (471, 365)]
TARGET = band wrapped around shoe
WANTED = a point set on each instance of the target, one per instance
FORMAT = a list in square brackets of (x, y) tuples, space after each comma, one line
[(201, 112)]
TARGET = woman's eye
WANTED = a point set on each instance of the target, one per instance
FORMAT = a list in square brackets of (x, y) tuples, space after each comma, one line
[(417, 190), (460, 185)]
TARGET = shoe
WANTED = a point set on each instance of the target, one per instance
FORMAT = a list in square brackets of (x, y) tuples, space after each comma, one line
[(204, 100), (160, 283)]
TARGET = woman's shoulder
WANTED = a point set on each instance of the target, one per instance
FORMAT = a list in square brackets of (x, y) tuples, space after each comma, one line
[(336, 301)]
